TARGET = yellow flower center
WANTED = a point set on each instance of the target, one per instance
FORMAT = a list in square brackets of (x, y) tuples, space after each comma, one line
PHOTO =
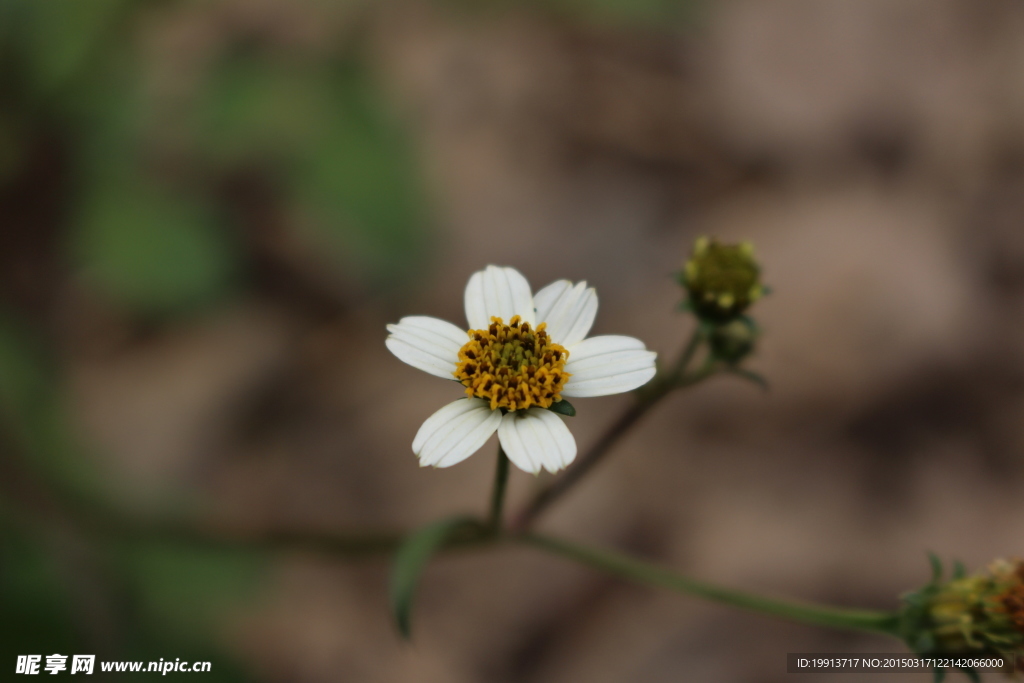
[(513, 366)]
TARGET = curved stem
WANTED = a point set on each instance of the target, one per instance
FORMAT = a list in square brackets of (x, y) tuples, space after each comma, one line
[(643, 572), (110, 522), (498, 494), (684, 358), (647, 398)]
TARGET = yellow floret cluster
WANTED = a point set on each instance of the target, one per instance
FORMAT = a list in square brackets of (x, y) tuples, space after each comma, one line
[(513, 366)]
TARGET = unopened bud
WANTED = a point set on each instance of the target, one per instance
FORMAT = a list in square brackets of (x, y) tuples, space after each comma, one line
[(722, 280)]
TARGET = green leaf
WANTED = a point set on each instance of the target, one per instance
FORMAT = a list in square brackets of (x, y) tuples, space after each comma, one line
[(411, 559), (252, 108), (360, 182), (750, 376), (37, 603), (150, 249), (751, 324), (936, 567), (959, 571), (183, 588), (24, 381), (61, 36), (939, 673), (563, 407), (32, 409)]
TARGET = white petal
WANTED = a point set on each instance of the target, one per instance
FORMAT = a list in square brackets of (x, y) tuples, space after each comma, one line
[(569, 311), (609, 364), (426, 343), (455, 432), (536, 438), (502, 292), (545, 299)]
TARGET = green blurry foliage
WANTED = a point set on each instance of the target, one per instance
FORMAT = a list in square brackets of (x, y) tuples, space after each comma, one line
[(58, 38), (641, 13), (11, 147), (42, 608), (37, 607), (347, 162), (149, 249), (32, 414), (256, 109), (314, 122), (184, 588), (165, 596), (360, 177)]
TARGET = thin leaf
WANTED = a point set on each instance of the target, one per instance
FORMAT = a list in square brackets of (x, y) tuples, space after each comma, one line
[(936, 567), (412, 558), (751, 376), (563, 407), (751, 324), (959, 571), (940, 674)]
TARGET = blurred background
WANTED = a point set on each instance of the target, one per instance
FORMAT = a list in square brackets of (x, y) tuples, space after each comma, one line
[(210, 210)]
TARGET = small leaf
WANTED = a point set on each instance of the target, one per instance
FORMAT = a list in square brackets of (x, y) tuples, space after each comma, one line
[(563, 407), (751, 376), (751, 324), (940, 674), (913, 599), (959, 571), (411, 559), (936, 567)]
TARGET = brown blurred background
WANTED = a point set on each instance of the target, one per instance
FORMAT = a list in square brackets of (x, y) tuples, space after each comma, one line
[(210, 210)]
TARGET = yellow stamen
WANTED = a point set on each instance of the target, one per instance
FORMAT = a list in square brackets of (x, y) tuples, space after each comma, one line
[(513, 366)]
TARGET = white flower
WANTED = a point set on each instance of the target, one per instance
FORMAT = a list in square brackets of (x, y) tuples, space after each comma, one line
[(522, 353)]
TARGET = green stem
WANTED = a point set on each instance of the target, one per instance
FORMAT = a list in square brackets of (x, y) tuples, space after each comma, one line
[(498, 494), (647, 397), (650, 574), (683, 361), (706, 370)]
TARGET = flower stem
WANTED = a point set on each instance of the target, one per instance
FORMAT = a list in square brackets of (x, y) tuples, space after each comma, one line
[(498, 494), (647, 397), (646, 573), (687, 354)]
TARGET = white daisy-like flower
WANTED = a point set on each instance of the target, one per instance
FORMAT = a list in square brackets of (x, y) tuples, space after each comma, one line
[(522, 353)]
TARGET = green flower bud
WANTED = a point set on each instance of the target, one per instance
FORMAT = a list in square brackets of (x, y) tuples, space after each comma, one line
[(722, 279), (981, 614), (733, 341)]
